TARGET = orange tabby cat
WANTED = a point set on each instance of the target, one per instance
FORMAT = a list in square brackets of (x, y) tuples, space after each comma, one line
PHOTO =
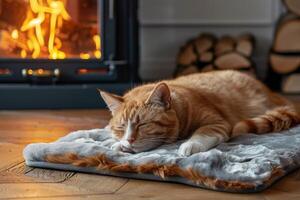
[(208, 108)]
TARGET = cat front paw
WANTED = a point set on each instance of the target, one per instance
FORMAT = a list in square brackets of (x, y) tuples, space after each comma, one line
[(116, 146), (190, 147)]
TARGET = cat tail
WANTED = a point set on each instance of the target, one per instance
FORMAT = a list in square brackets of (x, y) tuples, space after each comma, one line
[(277, 119)]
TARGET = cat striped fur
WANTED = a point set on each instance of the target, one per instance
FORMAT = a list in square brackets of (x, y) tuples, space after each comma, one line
[(205, 108), (278, 119)]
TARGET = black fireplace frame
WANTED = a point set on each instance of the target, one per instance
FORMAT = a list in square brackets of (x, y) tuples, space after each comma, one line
[(120, 58)]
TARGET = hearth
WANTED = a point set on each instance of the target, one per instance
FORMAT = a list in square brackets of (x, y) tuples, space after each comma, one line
[(55, 53)]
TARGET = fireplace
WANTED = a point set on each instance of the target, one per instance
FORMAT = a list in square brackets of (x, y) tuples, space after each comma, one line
[(56, 53)]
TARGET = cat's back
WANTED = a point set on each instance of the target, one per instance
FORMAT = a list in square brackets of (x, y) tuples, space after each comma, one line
[(228, 85), (219, 81), (233, 89)]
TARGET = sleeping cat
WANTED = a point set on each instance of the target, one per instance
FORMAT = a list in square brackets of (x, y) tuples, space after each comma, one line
[(205, 108)]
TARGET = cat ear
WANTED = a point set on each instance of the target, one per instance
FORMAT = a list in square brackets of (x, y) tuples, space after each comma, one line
[(160, 95), (112, 101)]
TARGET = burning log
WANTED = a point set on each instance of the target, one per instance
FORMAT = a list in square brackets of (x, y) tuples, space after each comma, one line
[(76, 36), (12, 43), (12, 13)]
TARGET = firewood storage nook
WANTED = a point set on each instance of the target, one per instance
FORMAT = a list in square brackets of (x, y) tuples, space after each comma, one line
[(58, 52)]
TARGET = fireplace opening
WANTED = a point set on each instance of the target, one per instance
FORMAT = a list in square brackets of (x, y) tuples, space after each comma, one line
[(63, 45), (50, 29)]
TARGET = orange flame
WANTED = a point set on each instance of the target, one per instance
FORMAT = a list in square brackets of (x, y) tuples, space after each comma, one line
[(15, 34), (97, 41), (33, 27), (39, 32), (84, 56)]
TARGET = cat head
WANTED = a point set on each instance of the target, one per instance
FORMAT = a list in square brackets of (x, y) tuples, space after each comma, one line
[(143, 118)]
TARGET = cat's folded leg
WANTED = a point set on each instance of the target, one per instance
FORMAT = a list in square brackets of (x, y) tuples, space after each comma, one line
[(205, 138)]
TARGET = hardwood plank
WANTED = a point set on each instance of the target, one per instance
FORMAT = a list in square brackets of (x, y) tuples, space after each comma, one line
[(47, 126), (49, 176), (8, 177), (95, 183), (10, 154), (16, 174), (160, 190), (274, 194), (41, 186), (20, 169), (288, 186), (23, 127), (296, 174), (94, 197), (30, 190), (84, 183), (24, 174)]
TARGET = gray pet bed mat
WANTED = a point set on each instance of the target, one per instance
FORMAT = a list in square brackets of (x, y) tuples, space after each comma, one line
[(248, 163)]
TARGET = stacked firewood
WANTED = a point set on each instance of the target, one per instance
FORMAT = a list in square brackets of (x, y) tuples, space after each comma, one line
[(207, 52), (284, 58)]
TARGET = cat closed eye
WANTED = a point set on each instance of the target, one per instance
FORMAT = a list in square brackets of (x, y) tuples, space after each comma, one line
[(121, 128), (144, 125)]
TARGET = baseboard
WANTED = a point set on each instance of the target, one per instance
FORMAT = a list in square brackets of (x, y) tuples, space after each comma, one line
[(25, 96)]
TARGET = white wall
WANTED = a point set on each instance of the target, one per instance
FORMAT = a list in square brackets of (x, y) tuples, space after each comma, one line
[(167, 24)]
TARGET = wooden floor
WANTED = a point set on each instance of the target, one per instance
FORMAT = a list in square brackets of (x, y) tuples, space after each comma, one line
[(17, 181)]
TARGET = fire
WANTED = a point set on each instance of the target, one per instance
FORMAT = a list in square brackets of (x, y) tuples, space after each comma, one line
[(84, 56), (15, 34), (48, 31), (97, 41), (33, 27), (97, 52), (23, 53)]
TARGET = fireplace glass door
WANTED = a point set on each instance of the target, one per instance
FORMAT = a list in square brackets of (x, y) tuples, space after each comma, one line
[(56, 53), (67, 41)]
